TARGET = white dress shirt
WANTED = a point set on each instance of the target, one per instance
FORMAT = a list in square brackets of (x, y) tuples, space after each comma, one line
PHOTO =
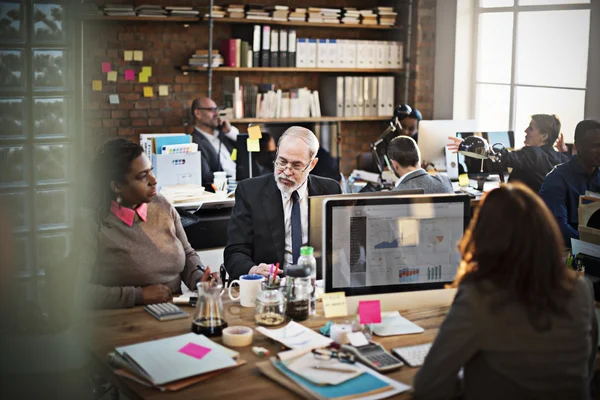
[(227, 163), (287, 216), (403, 177)]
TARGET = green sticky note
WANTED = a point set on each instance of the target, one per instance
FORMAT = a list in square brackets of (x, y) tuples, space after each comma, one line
[(253, 145), (234, 154), (143, 78), (147, 71)]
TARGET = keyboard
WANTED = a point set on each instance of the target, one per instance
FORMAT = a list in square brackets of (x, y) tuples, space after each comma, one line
[(472, 192), (413, 356)]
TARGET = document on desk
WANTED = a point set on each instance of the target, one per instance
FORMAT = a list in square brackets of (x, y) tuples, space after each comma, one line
[(296, 336), (167, 360), (392, 323)]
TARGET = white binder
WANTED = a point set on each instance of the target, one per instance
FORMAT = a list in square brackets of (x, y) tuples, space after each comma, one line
[(348, 103)]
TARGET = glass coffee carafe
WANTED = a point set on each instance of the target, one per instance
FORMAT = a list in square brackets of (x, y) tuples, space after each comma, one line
[(209, 319)]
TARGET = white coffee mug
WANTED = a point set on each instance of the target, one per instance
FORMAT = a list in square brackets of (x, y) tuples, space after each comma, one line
[(249, 288)]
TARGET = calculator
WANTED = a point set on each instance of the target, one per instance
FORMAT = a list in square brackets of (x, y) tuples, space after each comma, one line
[(374, 356), (165, 311)]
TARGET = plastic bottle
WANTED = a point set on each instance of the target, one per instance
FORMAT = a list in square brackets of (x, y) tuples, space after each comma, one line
[(307, 259)]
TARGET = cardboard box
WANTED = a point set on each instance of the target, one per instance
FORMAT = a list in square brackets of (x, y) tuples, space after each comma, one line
[(588, 206), (177, 169)]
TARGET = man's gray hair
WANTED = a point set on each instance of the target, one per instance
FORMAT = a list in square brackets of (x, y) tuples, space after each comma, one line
[(306, 135)]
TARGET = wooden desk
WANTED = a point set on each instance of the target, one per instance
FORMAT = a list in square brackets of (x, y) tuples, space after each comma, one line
[(113, 328)]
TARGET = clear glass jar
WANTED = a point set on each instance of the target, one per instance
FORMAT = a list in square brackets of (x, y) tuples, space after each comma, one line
[(270, 305), (298, 292)]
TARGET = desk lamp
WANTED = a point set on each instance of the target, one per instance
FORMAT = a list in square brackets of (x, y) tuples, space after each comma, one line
[(400, 113), (477, 147)]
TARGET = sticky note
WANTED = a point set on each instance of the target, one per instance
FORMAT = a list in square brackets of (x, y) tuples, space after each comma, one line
[(369, 311), (97, 86), (163, 90), (138, 55), (148, 91), (111, 76), (334, 304), (113, 99), (253, 145), (463, 180), (254, 132), (195, 350), (143, 78), (357, 339), (129, 75), (147, 71), (106, 67), (128, 55), (234, 155)]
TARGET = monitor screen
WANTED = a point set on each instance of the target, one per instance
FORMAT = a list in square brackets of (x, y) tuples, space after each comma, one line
[(397, 244), (433, 137), (315, 214)]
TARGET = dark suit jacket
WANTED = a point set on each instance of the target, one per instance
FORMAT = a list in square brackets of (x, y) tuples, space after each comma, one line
[(210, 158), (256, 232)]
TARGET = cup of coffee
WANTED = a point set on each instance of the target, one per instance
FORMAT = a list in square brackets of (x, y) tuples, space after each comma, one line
[(249, 288)]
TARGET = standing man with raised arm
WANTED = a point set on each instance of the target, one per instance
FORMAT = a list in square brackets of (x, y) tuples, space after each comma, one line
[(215, 138), (269, 222)]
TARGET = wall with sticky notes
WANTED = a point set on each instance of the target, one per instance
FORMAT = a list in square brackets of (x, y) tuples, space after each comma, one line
[(152, 51)]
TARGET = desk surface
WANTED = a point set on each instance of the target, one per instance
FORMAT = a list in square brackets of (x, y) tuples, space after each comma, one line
[(113, 328)]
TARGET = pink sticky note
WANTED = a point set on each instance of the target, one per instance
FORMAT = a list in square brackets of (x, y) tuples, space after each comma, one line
[(129, 75), (369, 312), (106, 67), (195, 350)]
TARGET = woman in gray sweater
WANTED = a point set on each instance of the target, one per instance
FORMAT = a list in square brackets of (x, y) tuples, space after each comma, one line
[(134, 250), (522, 325)]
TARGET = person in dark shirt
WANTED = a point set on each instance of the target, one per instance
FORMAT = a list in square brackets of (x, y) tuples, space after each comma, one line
[(531, 163), (565, 183), (410, 125)]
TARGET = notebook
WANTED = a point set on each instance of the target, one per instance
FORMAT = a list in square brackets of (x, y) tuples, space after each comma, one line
[(392, 323), (167, 360), (369, 385)]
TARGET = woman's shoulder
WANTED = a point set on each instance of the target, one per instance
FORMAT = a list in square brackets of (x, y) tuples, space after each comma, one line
[(160, 204)]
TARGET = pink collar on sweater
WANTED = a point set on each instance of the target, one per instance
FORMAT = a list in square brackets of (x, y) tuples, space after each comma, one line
[(127, 215)]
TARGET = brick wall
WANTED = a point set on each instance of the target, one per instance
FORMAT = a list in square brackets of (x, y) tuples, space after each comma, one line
[(168, 45)]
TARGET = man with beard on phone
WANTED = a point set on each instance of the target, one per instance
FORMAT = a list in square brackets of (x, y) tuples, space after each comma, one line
[(215, 137), (269, 222)]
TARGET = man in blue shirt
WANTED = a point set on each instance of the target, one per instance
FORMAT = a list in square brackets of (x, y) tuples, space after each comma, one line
[(566, 182)]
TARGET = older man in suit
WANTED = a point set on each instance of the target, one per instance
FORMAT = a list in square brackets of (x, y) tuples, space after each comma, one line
[(269, 222), (215, 137), (406, 161)]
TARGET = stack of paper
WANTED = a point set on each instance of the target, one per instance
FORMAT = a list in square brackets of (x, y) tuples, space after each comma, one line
[(170, 363), (299, 14), (176, 194)]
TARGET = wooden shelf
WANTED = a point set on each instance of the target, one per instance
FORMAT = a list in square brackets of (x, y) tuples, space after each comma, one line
[(167, 19), (300, 23), (186, 68), (310, 119)]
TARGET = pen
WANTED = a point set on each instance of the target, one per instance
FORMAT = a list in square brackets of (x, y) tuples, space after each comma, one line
[(214, 187), (331, 369)]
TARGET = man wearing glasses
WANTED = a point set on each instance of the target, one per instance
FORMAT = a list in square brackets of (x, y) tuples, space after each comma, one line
[(215, 137), (269, 222)]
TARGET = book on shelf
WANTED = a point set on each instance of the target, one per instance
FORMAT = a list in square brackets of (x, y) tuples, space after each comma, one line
[(283, 48), (357, 96), (277, 8), (265, 46), (292, 48), (274, 49), (256, 34)]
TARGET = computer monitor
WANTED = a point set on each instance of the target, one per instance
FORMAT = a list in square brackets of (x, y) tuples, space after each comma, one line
[(245, 167), (315, 215), (386, 245), (433, 137)]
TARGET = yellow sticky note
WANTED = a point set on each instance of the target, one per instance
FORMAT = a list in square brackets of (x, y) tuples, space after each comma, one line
[(163, 90), (97, 86), (463, 180), (148, 91), (143, 78), (128, 55), (253, 145), (138, 55), (147, 71), (334, 304), (254, 132), (111, 76), (234, 155)]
